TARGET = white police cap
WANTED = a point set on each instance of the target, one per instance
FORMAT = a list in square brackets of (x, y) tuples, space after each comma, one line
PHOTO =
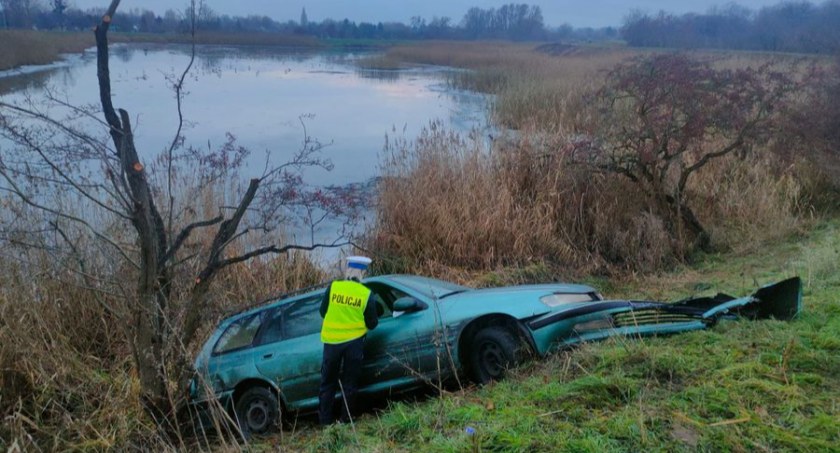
[(358, 262)]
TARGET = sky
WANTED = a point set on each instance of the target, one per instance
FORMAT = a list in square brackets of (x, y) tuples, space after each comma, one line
[(578, 13)]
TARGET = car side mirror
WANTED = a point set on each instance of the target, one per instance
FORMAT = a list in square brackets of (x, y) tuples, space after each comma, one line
[(409, 305)]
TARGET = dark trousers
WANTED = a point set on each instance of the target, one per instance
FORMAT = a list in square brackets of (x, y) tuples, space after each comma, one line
[(344, 359)]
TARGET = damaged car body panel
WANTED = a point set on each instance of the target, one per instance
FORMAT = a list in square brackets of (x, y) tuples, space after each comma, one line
[(431, 330), (598, 320)]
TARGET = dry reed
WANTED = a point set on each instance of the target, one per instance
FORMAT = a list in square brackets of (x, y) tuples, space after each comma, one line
[(530, 86), (27, 47), (67, 379), (450, 204), (23, 47)]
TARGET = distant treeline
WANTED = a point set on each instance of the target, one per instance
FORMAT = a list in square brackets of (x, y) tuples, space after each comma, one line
[(791, 26), (512, 21)]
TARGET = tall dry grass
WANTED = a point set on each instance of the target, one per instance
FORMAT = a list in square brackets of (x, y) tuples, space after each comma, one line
[(747, 201), (453, 201), (28, 47), (530, 86), (67, 377), (25, 47), (450, 204)]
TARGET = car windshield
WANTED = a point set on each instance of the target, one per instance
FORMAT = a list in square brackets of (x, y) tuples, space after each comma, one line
[(430, 287)]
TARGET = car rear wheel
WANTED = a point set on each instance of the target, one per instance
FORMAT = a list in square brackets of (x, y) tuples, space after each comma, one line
[(494, 350), (257, 410)]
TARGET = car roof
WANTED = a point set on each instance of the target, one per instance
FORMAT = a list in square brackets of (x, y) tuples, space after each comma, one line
[(412, 281), (274, 301), (565, 288), (433, 287)]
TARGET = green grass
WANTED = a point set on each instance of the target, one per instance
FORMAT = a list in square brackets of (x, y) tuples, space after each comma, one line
[(740, 386)]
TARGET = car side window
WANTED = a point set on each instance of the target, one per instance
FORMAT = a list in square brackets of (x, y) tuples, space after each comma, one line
[(302, 318), (382, 309), (239, 334), (273, 329), (385, 296)]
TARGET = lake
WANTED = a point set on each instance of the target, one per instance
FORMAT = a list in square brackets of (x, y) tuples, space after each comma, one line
[(258, 95)]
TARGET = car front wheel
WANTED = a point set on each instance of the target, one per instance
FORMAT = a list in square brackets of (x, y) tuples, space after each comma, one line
[(493, 351), (257, 410)]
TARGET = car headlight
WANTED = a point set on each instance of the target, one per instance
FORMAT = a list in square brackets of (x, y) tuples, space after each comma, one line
[(557, 299), (595, 324)]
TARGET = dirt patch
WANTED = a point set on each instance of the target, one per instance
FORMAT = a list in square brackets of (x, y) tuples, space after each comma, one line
[(685, 434)]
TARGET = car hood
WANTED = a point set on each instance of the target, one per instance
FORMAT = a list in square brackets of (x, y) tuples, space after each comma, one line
[(523, 291), (518, 301)]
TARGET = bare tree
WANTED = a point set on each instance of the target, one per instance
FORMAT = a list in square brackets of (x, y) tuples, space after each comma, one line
[(58, 6), (79, 194), (662, 118), (19, 13)]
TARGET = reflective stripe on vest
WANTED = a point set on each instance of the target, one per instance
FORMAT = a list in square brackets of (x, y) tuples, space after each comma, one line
[(345, 318)]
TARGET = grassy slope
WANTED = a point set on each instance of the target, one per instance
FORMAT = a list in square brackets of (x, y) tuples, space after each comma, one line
[(741, 386)]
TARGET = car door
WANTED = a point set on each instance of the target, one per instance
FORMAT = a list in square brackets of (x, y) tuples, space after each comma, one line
[(289, 351), (231, 358), (402, 349)]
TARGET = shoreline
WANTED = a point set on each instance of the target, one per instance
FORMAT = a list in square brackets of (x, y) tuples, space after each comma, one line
[(23, 48)]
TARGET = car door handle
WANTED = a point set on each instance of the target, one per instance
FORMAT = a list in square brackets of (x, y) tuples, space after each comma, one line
[(268, 356)]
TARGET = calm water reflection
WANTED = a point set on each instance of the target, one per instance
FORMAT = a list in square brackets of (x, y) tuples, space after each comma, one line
[(257, 94)]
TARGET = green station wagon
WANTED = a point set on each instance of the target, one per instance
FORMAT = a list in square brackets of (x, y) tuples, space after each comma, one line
[(261, 363)]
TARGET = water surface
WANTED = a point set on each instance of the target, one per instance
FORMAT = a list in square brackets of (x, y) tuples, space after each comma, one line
[(258, 95)]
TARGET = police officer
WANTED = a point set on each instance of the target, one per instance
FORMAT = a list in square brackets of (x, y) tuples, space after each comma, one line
[(349, 312)]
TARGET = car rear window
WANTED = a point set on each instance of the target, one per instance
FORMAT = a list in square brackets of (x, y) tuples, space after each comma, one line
[(239, 334)]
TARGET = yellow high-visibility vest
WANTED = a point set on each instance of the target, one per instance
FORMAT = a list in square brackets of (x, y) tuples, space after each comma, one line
[(345, 318)]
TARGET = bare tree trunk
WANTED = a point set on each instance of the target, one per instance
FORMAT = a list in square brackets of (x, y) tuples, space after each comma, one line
[(685, 216), (159, 349), (149, 309)]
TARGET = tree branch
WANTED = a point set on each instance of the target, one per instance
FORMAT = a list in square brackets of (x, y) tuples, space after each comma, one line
[(63, 175), (227, 230), (178, 95), (183, 235), (277, 250), (17, 191), (104, 75)]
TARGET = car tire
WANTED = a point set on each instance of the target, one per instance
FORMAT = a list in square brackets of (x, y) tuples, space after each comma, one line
[(257, 410), (493, 351)]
